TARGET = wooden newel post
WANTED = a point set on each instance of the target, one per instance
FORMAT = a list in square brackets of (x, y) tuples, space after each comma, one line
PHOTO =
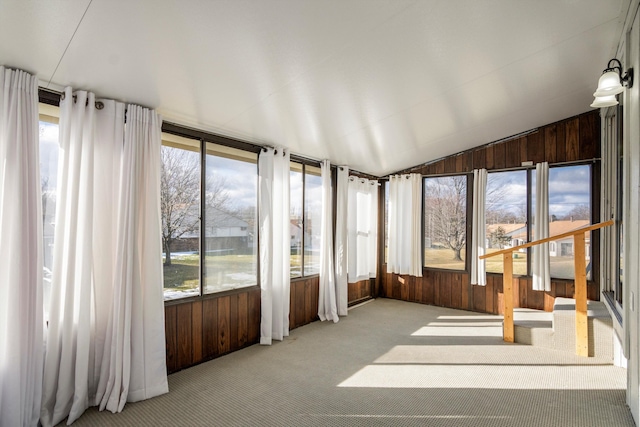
[(580, 274), (507, 288)]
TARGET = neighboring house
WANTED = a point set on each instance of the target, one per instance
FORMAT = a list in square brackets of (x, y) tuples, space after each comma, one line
[(557, 248), (225, 233), (517, 232), (564, 247)]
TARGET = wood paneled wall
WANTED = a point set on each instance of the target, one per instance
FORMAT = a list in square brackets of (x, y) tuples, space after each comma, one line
[(573, 139), (203, 329), (452, 289)]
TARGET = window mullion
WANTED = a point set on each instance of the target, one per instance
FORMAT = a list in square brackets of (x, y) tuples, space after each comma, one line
[(203, 240)]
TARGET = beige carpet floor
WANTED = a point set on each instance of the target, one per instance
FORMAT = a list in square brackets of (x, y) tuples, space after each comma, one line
[(389, 363)]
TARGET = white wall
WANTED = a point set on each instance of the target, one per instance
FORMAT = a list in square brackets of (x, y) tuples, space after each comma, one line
[(631, 207)]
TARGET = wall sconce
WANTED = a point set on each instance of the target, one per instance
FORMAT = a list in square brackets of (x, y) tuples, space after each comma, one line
[(611, 83)]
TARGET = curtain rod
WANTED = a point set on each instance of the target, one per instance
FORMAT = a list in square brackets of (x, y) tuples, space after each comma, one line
[(99, 104)]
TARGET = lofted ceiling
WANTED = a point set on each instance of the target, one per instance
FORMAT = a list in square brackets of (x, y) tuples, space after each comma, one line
[(378, 85)]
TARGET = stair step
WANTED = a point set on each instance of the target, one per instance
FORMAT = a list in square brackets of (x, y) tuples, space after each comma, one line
[(533, 327), (557, 329)]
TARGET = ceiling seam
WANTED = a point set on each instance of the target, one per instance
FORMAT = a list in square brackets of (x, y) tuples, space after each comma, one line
[(69, 44), (319, 63), (450, 90)]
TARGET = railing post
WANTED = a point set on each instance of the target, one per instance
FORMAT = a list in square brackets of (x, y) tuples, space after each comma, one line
[(507, 288), (580, 277)]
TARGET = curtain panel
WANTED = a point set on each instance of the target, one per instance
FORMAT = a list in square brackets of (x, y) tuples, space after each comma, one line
[(273, 195), (478, 228), (105, 340), (405, 219), (540, 266), (342, 209), (362, 220), (21, 314), (327, 307)]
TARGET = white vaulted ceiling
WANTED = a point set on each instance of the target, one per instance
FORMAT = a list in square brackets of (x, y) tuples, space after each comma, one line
[(379, 85)]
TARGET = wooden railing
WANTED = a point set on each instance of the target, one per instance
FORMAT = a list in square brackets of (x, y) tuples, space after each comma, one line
[(580, 278)]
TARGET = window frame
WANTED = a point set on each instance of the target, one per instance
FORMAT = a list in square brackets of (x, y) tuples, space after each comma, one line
[(468, 223), (530, 208), (204, 138), (303, 164)]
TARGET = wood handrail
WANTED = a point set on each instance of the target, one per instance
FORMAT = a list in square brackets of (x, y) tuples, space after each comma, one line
[(550, 239), (580, 284)]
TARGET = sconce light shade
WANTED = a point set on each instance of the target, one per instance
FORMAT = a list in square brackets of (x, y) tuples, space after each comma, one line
[(609, 84), (604, 101)]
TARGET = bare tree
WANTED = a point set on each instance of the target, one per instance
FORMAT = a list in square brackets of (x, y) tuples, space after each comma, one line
[(579, 212), (446, 212), (179, 195)]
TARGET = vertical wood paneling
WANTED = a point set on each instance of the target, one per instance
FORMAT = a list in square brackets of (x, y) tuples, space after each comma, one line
[(224, 330), (499, 156), (489, 157), (254, 316), (243, 319), (456, 291), (479, 298), (587, 135), (308, 297), (210, 327), (196, 332), (299, 302), (572, 139), (489, 294), (233, 322), (522, 292), (450, 164), (524, 149), (535, 147), (417, 284), (561, 142), (550, 143), (479, 158), (183, 323), (460, 163), (512, 153), (445, 289), (466, 290), (170, 337)]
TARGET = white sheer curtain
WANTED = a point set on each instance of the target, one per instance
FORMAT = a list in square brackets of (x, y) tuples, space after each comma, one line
[(135, 342), (105, 341), (342, 199), (405, 214), (478, 228), (540, 263), (21, 316), (273, 172), (362, 228), (327, 308)]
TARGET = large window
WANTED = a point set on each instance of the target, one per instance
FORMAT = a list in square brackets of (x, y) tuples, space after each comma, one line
[(208, 205), (180, 211), (445, 222), (49, 149), (506, 216), (569, 209), (305, 219), (230, 199), (510, 216)]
